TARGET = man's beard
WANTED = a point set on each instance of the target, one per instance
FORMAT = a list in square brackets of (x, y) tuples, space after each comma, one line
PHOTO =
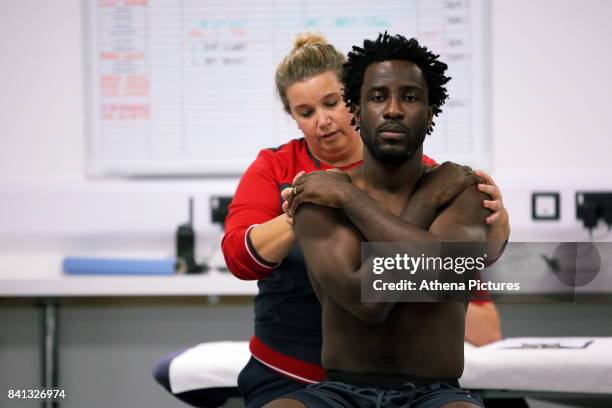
[(395, 156)]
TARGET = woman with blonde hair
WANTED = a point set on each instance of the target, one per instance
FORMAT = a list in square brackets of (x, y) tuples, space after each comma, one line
[(259, 243)]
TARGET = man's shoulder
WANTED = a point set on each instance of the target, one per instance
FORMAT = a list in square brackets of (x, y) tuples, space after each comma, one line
[(468, 204), (471, 194), (319, 222), (315, 212), (463, 219)]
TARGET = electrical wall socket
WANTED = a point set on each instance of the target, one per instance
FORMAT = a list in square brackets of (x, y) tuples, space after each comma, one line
[(545, 206)]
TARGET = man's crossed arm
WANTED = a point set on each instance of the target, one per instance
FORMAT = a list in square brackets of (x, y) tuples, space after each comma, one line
[(332, 246)]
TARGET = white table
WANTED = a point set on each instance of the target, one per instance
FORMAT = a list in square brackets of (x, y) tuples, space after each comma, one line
[(49, 290), (212, 283), (494, 371)]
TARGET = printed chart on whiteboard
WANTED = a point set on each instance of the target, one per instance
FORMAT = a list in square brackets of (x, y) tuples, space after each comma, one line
[(180, 87)]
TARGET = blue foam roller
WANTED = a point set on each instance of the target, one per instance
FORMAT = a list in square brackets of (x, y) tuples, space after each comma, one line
[(102, 266)]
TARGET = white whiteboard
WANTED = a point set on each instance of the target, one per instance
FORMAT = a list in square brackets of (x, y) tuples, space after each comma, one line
[(186, 87)]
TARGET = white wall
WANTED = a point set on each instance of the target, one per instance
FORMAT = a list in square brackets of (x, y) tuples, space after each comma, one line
[(550, 78), (41, 103), (551, 126), (551, 64), (551, 119)]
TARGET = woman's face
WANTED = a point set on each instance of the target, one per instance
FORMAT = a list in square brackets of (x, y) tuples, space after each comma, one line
[(316, 105)]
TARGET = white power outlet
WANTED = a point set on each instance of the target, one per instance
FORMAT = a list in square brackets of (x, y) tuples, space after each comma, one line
[(545, 206)]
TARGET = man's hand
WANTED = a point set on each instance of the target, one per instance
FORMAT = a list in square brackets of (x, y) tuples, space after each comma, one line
[(441, 184), (324, 188)]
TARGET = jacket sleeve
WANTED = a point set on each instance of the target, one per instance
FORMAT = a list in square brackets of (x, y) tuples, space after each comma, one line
[(257, 200)]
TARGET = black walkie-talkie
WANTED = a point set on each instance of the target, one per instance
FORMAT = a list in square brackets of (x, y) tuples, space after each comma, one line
[(185, 244)]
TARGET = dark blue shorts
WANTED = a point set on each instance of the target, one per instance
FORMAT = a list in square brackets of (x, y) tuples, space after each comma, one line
[(390, 392), (259, 384)]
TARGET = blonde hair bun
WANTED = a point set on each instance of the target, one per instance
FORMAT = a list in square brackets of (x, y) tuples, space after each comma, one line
[(308, 38), (311, 55)]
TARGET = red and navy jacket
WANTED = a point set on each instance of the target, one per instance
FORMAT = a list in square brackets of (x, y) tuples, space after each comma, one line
[(287, 312)]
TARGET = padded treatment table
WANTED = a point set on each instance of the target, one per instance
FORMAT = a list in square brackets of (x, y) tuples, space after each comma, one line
[(547, 370)]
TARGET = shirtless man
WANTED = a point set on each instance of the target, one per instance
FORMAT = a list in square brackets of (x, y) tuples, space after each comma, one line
[(385, 354)]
